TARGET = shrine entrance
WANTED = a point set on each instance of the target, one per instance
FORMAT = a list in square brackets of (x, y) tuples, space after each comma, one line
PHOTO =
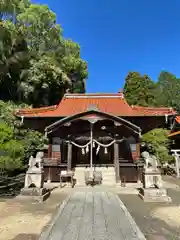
[(101, 156), (92, 140)]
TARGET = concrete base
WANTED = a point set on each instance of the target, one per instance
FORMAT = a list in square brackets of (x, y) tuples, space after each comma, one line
[(36, 194), (151, 178), (154, 195)]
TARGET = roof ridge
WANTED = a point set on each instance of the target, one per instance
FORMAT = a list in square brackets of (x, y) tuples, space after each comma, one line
[(40, 109), (152, 108), (93, 95)]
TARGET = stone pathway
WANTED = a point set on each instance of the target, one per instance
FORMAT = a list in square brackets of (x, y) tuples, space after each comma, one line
[(93, 215)]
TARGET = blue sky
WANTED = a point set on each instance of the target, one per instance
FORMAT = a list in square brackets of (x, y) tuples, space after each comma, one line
[(118, 36)]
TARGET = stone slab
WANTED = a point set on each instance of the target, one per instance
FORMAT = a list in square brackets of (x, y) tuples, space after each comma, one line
[(34, 191), (34, 194), (154, 195), (93, 215)]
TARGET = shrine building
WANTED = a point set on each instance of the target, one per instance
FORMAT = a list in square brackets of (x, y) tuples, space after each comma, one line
[(95, 131), (175, 132)]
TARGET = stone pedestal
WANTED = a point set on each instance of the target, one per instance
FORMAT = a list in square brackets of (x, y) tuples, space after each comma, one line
[(33, 187), (34, 178), (36, 194), (152, 178), (153, 190), (34, 181), (154, 195)]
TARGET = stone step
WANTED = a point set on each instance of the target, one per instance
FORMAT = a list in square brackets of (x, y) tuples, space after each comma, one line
[(96, 169), (108, 175)]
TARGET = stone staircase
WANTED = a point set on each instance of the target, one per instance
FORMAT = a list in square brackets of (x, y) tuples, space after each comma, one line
[(79, 176), (108, 175)]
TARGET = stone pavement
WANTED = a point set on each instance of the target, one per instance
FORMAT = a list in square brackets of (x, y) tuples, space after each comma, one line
[(93, 215)]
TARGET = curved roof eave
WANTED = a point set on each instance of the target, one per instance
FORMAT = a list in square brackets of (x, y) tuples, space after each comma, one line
[(79, 115)]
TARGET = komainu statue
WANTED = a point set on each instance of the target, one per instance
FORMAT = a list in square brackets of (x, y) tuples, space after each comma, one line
[(149, 160), (34, 174), (36, 163)]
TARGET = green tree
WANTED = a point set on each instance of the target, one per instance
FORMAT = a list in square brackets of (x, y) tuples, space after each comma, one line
[(37, 66), (158, 142), (39, 25), (14, 57), (55, 65), (11, 150), (167, 90), (35, 58), (45, 83), (139, 90), (30, 140)]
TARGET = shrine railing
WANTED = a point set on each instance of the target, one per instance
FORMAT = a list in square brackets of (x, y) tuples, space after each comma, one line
[(53, 162), (126, 162)]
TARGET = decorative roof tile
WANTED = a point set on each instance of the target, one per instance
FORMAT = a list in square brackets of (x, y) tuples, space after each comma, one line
[(114, 104)]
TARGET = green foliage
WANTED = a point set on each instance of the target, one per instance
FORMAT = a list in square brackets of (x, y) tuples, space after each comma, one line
[(37, 64), (167, 90), (11, 150), (142, 91), (46, 81), (138, 90), (33, 141), (7, 110), (158, 142), (38, 23), (6, 133), (18, 143)]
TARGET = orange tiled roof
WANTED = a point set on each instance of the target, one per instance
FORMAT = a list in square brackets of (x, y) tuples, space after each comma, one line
[(178, 119), (114, 104), (174, 134)]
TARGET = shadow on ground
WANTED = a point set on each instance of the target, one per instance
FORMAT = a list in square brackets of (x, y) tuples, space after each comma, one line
[(26, 237), (152, 227), (28, 218)]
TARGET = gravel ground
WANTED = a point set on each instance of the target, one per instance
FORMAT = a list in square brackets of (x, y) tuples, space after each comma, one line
[(158, 221), (24, 220), (170, 179)]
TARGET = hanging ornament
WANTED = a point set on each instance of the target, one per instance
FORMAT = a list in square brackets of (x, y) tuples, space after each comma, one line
[(87, 149), (97, 150), (105, 151), (83, 152), (93, 144)]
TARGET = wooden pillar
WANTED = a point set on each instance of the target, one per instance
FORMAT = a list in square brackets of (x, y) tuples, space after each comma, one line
[(69, 156), (116, 161), (49, 175), (50, 150), (138, 150)]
